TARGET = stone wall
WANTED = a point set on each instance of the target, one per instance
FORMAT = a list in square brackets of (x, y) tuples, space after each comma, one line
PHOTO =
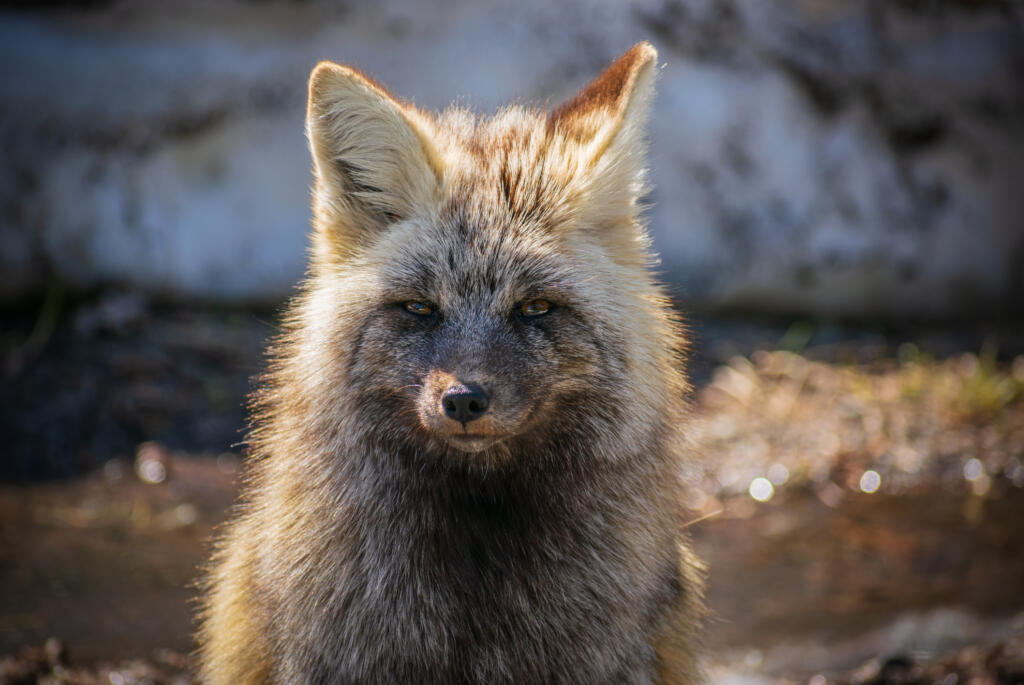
[(812, 157)]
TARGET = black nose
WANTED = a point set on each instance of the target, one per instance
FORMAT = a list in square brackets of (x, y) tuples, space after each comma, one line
[(464, 403)]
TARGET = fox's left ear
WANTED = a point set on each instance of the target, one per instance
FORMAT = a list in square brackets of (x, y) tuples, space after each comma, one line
[(608, 116)]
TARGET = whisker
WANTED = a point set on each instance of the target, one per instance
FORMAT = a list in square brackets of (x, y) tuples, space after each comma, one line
[(705, 517)]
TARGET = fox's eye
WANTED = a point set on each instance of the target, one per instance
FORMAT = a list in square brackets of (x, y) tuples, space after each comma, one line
[(419, 308), (535, 308)]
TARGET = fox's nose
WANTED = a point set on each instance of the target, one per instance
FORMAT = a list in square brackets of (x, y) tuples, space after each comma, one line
[(464, 403)]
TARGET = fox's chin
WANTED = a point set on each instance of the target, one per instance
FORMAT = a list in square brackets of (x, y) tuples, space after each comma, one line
[(472, 443)]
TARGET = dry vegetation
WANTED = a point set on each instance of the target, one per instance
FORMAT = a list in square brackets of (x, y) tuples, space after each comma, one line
[(794, 421)]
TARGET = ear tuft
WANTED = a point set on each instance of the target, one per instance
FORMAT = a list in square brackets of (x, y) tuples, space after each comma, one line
[(373, 156), (616, 99)]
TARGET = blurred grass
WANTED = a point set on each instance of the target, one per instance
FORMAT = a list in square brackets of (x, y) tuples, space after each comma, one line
[(42, 330)]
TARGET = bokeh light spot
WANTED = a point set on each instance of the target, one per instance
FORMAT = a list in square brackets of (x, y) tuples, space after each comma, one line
[(778, 474), (761, 489), (870, 481), (973, 469), (151, 471)]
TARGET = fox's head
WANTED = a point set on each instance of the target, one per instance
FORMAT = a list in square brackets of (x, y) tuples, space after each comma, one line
[(482, 284)]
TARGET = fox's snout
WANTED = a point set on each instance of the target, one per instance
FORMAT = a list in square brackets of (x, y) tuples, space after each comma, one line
[(473, 411)]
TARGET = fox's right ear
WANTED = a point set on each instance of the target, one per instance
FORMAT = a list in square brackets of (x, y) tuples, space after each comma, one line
[(373, 157)]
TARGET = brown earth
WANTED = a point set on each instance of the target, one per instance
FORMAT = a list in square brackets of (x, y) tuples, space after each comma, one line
[(862, 516)]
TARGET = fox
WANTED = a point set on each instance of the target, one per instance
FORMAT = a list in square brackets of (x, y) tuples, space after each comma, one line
[(467, 454)]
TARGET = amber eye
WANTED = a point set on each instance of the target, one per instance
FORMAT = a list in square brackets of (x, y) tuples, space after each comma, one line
[(419, 308), (535, 308)]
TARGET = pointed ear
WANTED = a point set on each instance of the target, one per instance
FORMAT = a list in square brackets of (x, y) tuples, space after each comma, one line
[(373, 157), (612, 110)]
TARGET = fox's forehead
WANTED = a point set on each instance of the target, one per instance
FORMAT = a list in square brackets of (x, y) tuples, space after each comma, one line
[(458, 260), (510, 166), (491, 236)]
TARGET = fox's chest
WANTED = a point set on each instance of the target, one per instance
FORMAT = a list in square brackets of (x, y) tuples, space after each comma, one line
[(472, 612)]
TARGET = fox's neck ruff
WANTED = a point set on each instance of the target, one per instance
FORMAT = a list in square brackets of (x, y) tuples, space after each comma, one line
[(504, 502)]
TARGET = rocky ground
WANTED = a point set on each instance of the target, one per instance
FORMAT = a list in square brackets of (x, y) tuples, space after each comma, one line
[(858, 494)]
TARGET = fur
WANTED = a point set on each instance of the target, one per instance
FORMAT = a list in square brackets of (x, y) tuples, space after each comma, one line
[(379, 540)]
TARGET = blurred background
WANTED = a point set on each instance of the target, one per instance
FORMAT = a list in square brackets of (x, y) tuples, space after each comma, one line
[(839, 208)]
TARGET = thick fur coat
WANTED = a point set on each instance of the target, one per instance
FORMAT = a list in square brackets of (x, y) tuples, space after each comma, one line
[(466, 455)]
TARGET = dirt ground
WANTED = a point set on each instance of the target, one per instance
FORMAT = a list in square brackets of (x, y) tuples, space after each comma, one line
[(858, 494)]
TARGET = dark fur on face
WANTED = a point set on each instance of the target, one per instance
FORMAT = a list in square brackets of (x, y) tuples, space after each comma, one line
[(467, 453)]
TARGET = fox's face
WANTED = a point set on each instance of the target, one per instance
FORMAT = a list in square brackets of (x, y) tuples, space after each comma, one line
[(480, 334), (487, 278)]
